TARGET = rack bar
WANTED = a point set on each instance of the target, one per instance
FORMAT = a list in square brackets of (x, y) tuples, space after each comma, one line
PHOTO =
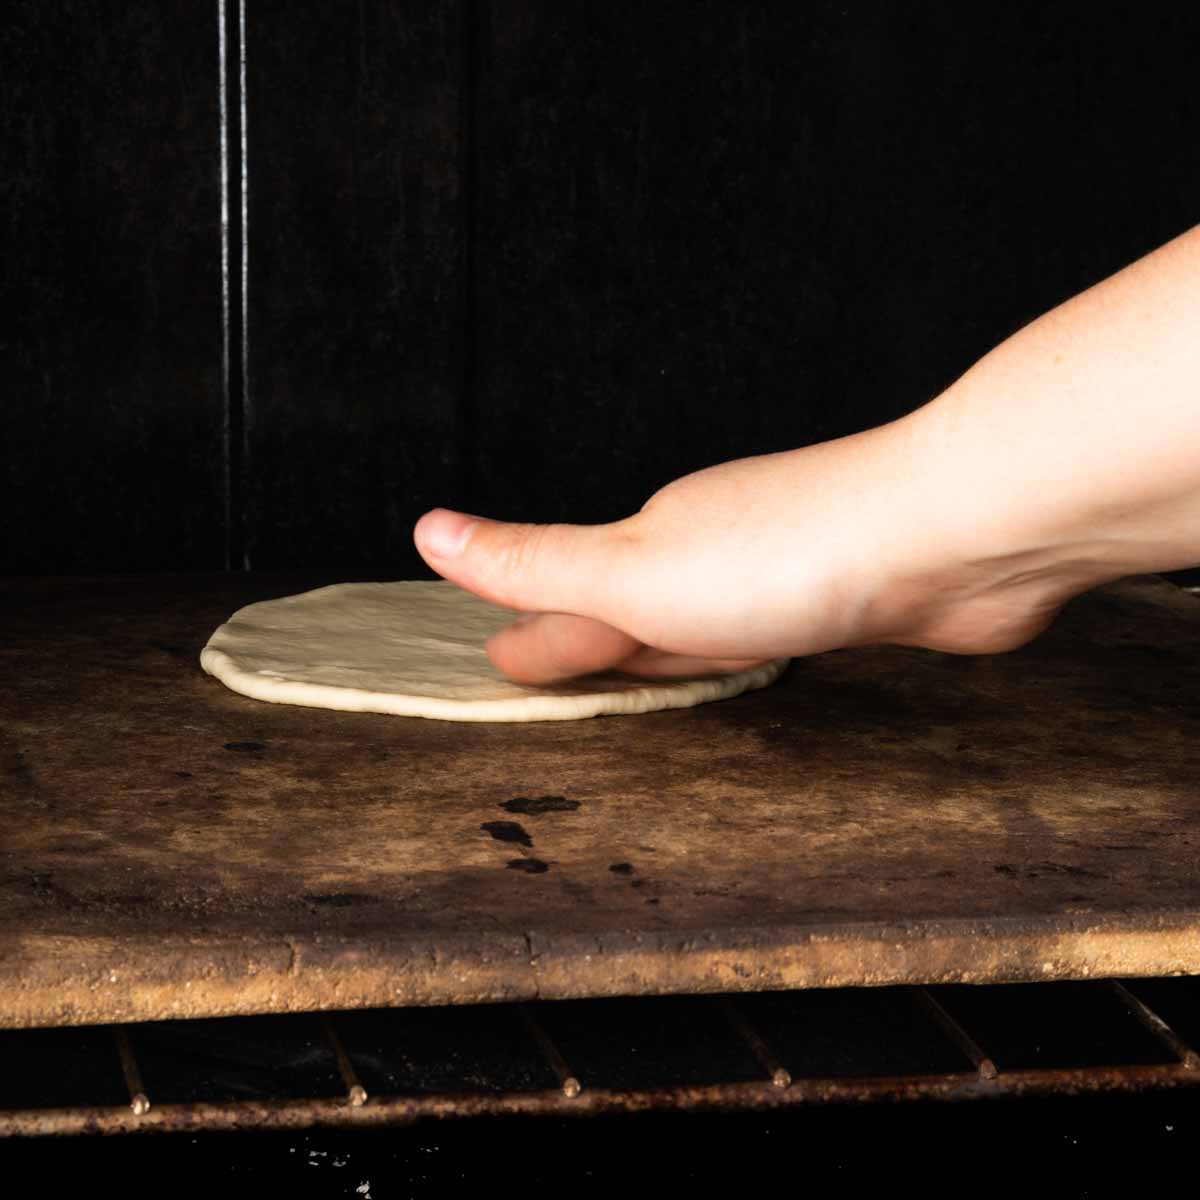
[(779, 1075), (139, 1102), (356, 1094), (984, 1066), (398, 1110), (1156, 1025), (568, 1081)]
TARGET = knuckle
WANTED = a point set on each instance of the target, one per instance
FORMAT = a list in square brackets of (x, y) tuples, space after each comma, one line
[(523, 549)]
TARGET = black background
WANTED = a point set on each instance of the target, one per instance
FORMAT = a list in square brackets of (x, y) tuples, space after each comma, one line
[(1063, 1149), (534, 258), (530, 258)]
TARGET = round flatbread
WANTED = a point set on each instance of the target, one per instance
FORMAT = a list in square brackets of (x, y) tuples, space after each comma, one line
[(417, 650)]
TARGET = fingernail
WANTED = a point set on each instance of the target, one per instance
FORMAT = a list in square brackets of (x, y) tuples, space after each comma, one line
[(445, 534)]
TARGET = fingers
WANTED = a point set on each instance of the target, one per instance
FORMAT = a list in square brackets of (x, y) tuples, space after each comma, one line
[(533, 568), (557, 646), (661, 664)]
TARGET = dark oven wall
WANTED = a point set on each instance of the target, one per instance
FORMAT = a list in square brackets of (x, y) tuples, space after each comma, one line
[(277, 278)]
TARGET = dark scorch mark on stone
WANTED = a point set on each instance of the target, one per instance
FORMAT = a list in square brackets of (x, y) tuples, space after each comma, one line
[(245, 747), (535, 806), (530, 866), (507, 831), (621, 868)]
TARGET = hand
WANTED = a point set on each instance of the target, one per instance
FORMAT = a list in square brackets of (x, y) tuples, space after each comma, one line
[(783, 555), (1068, 456)]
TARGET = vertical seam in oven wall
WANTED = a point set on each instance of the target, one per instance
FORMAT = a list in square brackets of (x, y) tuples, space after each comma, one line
[(245, 232), (226, 405), (235, 303), (470, 15)]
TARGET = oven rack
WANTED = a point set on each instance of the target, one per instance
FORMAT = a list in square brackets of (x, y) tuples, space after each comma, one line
[(760, 1051)]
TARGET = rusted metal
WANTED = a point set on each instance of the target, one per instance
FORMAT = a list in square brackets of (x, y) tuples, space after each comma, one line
[(356, 1094), (394, 1110), (883, 815), (984, 1066), (568, 1081), (1151, 1021), (779, 1075), (139, 1102)]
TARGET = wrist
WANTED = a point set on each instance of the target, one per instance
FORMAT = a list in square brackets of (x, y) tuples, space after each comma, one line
[(973, 559)]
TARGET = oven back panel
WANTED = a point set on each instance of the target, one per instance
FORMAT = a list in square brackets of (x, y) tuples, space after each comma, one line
[(279, 278)]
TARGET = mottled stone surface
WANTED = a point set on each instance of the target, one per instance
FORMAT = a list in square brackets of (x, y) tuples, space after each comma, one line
[(879, 816)]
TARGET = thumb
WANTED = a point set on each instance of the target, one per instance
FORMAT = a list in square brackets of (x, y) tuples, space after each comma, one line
[(533, 568)]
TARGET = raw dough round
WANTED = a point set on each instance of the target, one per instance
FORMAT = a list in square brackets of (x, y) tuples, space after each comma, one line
[(417, 650)]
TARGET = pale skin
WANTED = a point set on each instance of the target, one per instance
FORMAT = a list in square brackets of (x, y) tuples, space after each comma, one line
[(1067, 457)]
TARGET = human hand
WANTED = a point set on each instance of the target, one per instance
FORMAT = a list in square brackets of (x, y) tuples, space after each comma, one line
[(777, 556), (1068, 456)]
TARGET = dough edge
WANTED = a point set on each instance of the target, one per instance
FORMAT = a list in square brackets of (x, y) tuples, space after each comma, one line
[(650, 698)]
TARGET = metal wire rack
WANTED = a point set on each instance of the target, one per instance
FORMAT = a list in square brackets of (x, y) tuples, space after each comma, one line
[(758, 1051)]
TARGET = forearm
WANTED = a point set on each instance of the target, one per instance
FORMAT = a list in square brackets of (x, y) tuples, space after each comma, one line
[(1076, 443)]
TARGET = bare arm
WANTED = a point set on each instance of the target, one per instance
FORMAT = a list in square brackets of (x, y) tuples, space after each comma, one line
[(1066, 457)]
